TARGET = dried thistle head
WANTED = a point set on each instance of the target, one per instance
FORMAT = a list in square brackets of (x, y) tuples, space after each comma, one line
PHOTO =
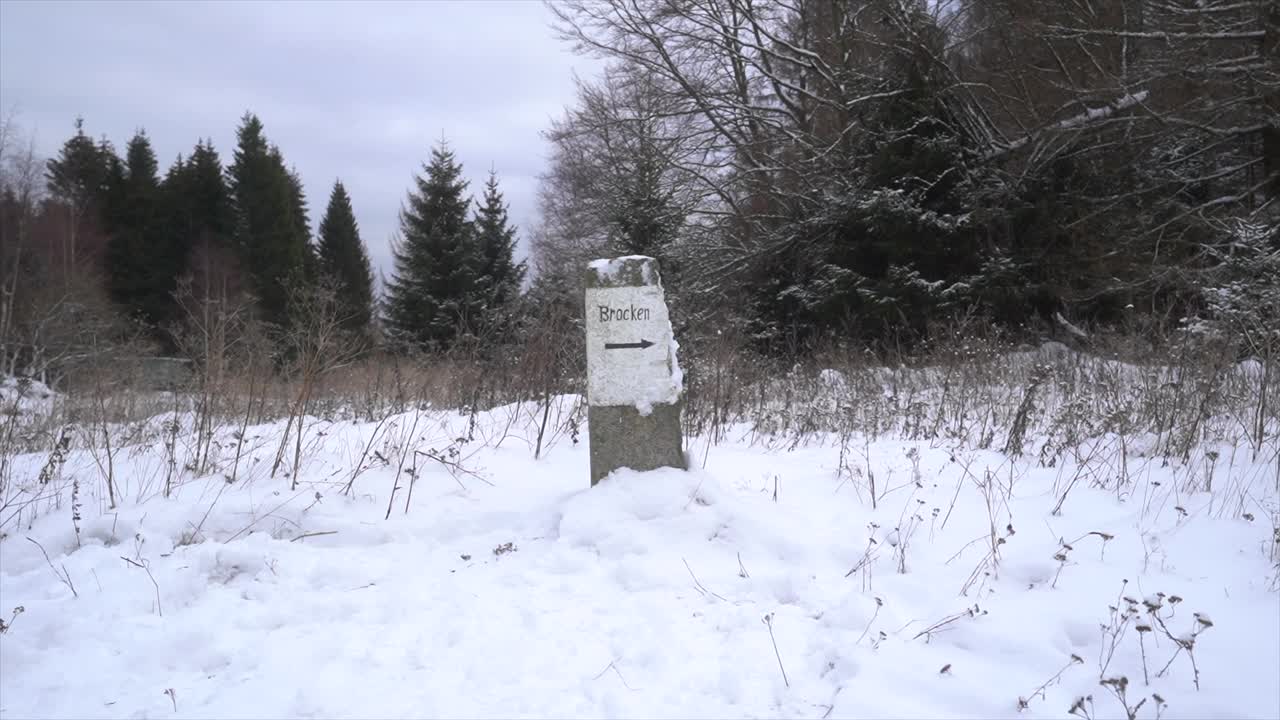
[(1119, 683)]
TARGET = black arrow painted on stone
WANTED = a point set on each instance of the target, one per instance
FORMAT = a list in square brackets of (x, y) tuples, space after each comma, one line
[(628, 346)]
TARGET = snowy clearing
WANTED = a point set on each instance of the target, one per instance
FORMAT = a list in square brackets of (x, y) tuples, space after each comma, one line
[(767, 584)]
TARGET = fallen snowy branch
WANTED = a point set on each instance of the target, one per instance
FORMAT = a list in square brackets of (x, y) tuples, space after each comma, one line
[(1079, 120), (1165, 36)]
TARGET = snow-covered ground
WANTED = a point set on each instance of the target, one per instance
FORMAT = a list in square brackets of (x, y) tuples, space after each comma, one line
[(765, 584)]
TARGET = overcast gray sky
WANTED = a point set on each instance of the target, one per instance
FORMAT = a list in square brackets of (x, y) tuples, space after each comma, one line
[(352, 90)]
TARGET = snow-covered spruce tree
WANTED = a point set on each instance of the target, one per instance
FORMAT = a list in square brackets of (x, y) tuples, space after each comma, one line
[(890, 245), (879, 165), (1123, 156), (344, 261), (431, 298), (500, 276)]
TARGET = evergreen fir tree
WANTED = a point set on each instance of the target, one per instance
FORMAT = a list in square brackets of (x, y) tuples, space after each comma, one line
[(114, 176), (174, 189), (213, 205), (200, 218), (79, 174), (300, 225), (268, 204), (108, 208), (141, 257), (342, 258), (207, 203), (640, 212), (500, 276), (80, 179), (174, 177), (431, 297)]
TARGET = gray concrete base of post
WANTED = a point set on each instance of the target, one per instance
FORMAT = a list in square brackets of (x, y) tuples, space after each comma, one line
[(620, 436)]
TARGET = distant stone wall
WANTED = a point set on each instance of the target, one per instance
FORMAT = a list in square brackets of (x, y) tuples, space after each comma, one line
[(161, 373), (147, 374)]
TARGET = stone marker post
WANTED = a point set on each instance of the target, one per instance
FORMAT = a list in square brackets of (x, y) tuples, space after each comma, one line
[(634, 382)]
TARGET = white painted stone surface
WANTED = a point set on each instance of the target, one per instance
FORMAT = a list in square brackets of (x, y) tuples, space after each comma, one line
[(622, 369)]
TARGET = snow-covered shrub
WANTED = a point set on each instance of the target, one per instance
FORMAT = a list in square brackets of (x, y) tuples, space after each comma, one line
[(1242, 297), (1242, 305)]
